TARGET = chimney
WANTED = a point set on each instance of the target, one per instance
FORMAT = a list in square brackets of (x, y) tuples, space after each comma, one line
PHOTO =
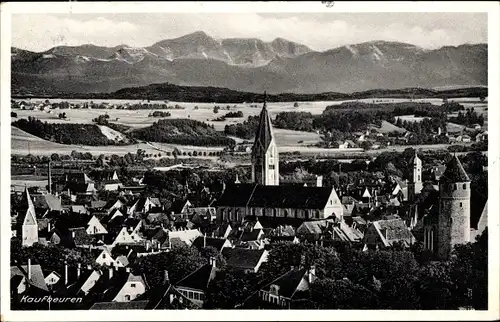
[(205, 240), (89, 267), (311, 274), (166, 279), (111, 269), (213, 262), (49, 226), (72, 234), (66, 273), (319, 181), (171, 298), (29, 268), (147, 246), (127, 269), (50, 179), (78, 270)]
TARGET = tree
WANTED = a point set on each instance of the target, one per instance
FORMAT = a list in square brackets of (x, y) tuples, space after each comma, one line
[(216, 109), (179, 262), (55, 157), (13, 114), (342, 294)]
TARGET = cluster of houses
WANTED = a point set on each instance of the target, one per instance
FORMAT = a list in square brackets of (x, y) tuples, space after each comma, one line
[(242, 222)]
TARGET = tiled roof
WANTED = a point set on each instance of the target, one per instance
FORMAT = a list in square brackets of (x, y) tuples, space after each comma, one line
[(217, 243), (393, 230), (315, 227), (37, 278), (47, 201), (243, 258), (200, 278), (288, 282), (454, 172)]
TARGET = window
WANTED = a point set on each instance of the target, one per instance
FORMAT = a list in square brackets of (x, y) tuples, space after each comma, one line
[(127, 297), (190, 294), (317, 214), (132, 285), (196, 296), (103, 255), (271, 167), (418, 178), (455, 186), (202, 296), (306, 214), (460, 205), (465, 186), (275, 212), (286, 213), (296, 213)]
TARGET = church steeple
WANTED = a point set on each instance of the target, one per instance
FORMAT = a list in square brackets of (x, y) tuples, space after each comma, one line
[(265, 152)]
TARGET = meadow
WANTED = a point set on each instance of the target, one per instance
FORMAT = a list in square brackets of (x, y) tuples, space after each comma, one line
[(287, 140)]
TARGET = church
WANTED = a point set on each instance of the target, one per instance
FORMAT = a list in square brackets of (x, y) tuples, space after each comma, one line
[(264, 197)]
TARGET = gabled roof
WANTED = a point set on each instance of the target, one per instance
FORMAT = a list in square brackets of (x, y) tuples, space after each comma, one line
[(37, 277), (288, 282), (217, 243), (315, 227), (30, 216), (158, 298), (200, 278), (454, 172), (264, 134), (98, 204), (47, 201), (84, 276), (393, 230), (243, 258)]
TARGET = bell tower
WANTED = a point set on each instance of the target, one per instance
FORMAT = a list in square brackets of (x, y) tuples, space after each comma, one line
[(415, 182), (265, 159)]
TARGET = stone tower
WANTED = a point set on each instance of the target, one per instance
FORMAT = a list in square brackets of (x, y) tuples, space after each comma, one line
[(265, 159), (415, 182), (454, 208), (29, 229)]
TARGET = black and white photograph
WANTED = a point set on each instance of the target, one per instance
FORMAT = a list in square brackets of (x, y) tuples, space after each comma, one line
[(237, 159)]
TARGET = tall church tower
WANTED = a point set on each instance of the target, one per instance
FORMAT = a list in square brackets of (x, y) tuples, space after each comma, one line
[(265, 159), (415, 182), (29, 228), (454, 208)]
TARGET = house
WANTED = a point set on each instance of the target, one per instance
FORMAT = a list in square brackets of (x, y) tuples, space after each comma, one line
[(387, 233), (224, 230), (52, 278), (195, 285), (104, 257), (283, 201), (117, 286), (79, 209), (84, 283), (186, 237), (464, 138), (143, 205), (164, 296), (32, 275), (247, 260), (180, 206), (437, 172), (218, 243), (287, 288), (482, 136), (284, 240), (107, 180), (46, 203)]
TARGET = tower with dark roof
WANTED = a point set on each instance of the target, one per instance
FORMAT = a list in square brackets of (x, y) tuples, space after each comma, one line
[(29, 228), (415, 182), (453, 225), (265, 160)]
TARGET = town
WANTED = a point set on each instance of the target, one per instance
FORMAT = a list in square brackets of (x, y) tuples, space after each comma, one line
[(399, 230)]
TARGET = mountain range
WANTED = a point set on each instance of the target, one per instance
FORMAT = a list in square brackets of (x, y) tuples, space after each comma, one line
[(247, 64)]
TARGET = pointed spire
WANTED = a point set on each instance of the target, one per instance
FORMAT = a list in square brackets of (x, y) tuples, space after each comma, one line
[(264, 133), (454, 172)]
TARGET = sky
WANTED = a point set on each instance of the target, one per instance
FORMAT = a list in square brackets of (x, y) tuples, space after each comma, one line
[(319, 31)]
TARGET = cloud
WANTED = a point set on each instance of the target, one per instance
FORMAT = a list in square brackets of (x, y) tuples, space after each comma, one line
[(319, 31)]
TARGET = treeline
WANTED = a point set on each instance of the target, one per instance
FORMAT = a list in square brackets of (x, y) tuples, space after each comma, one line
[(71, 133), (298, 121), (166, 91), (159, 114), (245, 130), (469, 118), (182, 131)]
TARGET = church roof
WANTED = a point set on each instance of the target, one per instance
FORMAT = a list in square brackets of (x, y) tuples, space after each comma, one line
[(454, 172), (30, 217), (264, 133), (415, 158)]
